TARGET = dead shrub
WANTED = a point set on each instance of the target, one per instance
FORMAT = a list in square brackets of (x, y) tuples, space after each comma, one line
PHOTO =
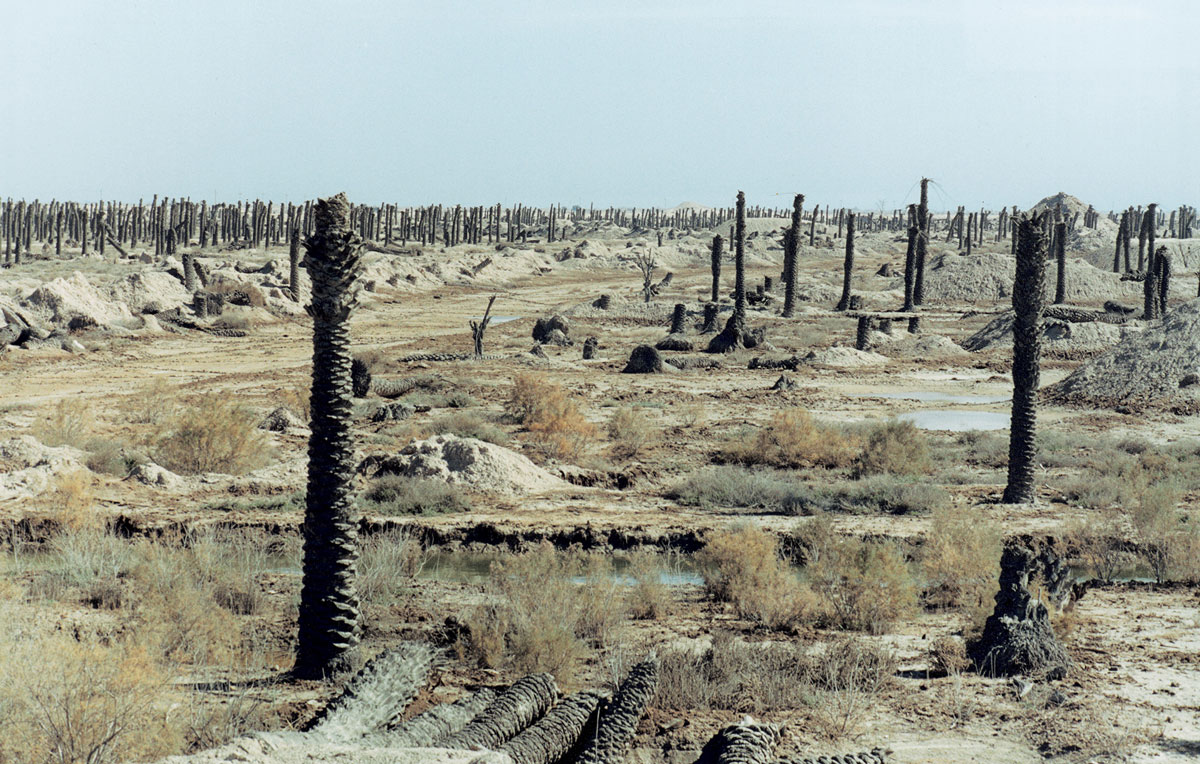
[(153, 404), (630, 432), (179, 615), (961, 561), (72, 501), (848, 675), (1100, 543), (1160, 533), (576, 605), (213, 435), (69, 422), (388, 566), (793, 439), (746, 571), (861, 585), (948, 656), (71, 701), (838, 683), (556, 426), (648, 597), (895, 447)]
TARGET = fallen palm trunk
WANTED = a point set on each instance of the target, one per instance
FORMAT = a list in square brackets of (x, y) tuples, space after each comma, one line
[(873, 756), (438, 722), (1080, 316), (514, 710), (747, 742), (549, 740), (618, 721), (377, 695)]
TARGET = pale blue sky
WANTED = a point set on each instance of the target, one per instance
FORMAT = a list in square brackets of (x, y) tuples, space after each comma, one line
[(627, 103)]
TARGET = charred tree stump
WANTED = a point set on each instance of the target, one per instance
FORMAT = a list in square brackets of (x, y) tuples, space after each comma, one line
[(479, 327), (1017, 638)]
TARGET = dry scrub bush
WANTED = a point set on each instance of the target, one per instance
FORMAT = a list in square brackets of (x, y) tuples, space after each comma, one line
[(71, 501), (1166, 543), (948, 656), (961, 561), (68, 423), (648, 597), (848, 675), (399, 495), (468, 424), (388, 565), (153, 404), (296, 398), (838, 683), (67, 701), (214, 435), (861, 584), (894, 448), (553, 419), (548, 609), (1100, 544), (793, 439), (630, 431), (746, 571)]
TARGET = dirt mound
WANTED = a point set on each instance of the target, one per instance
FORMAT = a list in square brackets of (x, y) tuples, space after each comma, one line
[(1059, 338), (988, 277), (473, 464), (62, 299), (902, 344), (842, 357), (27, 467), (1159, 366), (150, 289)]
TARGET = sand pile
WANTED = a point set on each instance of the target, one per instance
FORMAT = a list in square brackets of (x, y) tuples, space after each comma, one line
[(843, 358), (62, 299), (988, 277), (1158, 366), (27, 468), (918, 346), (1061, 339), (156, 290), (472, 464)]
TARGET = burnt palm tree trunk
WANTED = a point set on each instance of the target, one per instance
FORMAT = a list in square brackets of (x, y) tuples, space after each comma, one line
[(1028, 302), (848, 265), (329, 628), (294, 264), (791, 248), (718, 246), (1060, 257), (739, 266), (910, 255)]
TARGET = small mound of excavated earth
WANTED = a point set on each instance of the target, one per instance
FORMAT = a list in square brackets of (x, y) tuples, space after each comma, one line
[(472, 464), (1059, 338), (1159, 366)]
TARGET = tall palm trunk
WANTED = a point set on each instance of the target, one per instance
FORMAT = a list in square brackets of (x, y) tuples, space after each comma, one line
[(717, 252), (910, 257), (791, 248), (329, 628), (739, 266), (848, 265), (1028, 302), (1060, 257)]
